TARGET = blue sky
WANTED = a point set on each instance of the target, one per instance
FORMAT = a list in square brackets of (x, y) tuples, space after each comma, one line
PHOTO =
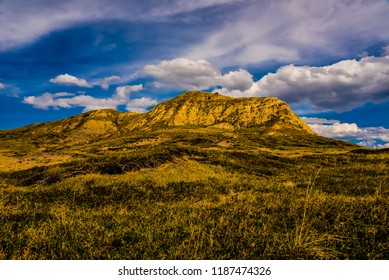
[(328, 59)]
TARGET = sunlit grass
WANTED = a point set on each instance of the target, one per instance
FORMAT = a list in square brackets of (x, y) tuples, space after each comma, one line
[(200, 204), (192, 193)]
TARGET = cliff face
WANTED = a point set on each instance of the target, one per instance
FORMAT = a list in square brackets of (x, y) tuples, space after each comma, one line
[(207, 109)]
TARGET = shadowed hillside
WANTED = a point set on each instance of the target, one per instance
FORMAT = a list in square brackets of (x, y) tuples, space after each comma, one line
[(201, 176)]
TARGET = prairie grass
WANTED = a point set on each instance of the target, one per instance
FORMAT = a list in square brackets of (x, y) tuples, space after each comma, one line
[(185, 201), (192, 193)]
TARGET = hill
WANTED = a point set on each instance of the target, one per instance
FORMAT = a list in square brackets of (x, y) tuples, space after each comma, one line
[(201, 176), (189, 118), (200, 109), (207, 109)]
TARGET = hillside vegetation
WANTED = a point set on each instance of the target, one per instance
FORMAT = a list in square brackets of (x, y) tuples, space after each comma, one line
[(187, 180)]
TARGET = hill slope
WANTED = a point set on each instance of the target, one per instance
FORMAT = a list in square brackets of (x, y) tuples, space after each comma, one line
[(189, 109), (207, 109), (191, 119)]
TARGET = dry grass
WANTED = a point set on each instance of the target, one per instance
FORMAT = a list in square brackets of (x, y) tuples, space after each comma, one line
[(191, 193), (194, 208)]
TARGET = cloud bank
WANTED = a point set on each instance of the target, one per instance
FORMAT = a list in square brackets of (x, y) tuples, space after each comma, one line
[(121, 96), (367, 136), (340, 86)]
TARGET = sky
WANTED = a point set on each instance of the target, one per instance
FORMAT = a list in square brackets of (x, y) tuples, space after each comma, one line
[(329, 60)]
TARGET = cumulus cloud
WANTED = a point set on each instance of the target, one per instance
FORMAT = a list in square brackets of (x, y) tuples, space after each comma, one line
[(183, 73), (235, 80), (140, 105), (368, 136), (186, 74), (2, 86), (373, 144), (58, 100), (47, 100), (340, 86), (121, 96), (70, 80), (338, 130), (107, 81)]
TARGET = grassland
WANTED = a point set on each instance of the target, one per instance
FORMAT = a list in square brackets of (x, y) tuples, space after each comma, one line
[(193, 193)]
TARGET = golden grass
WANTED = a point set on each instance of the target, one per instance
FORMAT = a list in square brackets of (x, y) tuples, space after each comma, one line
[(189, 193), (188, 209)]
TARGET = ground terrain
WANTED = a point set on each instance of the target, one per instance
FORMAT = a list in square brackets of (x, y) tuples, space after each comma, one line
[(172, 185)]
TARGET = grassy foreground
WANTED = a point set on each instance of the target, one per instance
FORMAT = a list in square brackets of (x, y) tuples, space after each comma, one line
[(195, 197)]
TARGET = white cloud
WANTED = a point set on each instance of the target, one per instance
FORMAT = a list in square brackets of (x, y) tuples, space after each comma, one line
[(338, 130), (340, 86), (122, 94), (183, 73), (382, 146), (236, 80), (186, 74), (68, 100), (368, 143), (47, 100), (107, 81), (386, 50), (373, 144), (318, 121), (70, 80), (252, 91), (140, 105), (368, 136), (2, 86)]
